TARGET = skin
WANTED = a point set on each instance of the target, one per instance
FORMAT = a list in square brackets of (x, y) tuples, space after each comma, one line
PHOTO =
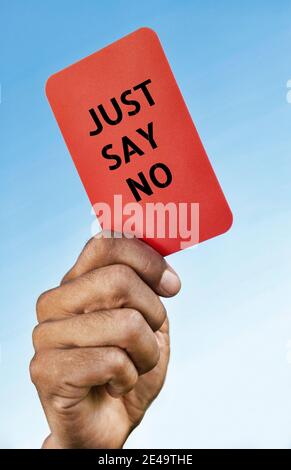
[(102, 343)]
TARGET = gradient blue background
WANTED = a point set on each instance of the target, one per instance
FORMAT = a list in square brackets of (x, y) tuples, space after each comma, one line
[(229, 383)]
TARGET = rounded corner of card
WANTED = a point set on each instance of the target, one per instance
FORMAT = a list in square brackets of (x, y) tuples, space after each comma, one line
[(147, 31)]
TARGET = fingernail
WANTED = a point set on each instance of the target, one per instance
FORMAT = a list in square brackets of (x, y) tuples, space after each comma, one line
[(170, 283)]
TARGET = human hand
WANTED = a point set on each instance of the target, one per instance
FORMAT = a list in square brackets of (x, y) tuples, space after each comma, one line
[(102, 343)]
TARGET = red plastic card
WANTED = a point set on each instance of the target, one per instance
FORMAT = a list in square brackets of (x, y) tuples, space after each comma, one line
[(135, 146)]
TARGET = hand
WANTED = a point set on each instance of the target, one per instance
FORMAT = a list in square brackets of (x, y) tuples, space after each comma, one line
[(102, 343)]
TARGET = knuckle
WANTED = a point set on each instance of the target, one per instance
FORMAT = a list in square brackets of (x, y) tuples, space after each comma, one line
[(36, 337), (161, 315), (132, 378), (119, 360), (153, 264), (155, 356), (121, 271), (92, 245), (103, 242), (41, 304), (45, 369), (39, 335), (147, 265), (122, 277), (88, 277), (35, 370), (136, 324)]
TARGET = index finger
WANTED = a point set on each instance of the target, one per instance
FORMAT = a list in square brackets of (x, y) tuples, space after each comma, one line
[(103, 250)]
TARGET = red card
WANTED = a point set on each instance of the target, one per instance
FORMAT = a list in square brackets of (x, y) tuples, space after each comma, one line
[(135, 146)]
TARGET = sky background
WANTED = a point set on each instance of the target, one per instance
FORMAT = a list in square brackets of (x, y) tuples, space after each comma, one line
[(229, 381)]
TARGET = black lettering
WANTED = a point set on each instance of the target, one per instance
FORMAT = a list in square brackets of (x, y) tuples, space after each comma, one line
[(143, 87), (127, 102), (105, 116), (148, 135), (97, 122), (167, 172), (111, 157), (143, 186), (127, 144)]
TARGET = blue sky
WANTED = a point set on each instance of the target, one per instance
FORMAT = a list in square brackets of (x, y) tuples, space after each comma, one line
[(229, 383)]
